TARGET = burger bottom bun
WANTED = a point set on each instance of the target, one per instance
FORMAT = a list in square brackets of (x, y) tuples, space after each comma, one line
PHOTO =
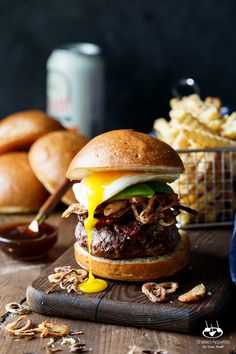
[(138, 269)]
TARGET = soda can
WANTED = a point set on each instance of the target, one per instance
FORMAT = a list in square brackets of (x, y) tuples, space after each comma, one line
[(75, 87)]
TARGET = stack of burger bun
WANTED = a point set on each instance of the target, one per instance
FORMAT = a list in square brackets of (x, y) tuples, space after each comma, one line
[(35, 151), (50, 157)]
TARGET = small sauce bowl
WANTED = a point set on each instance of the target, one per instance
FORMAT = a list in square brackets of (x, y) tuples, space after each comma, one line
[(20, 243)]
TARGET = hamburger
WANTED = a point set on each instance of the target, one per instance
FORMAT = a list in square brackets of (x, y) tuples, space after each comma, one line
[(126, 209)]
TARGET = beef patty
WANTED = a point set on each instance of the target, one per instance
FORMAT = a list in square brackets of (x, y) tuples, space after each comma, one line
[(128, 240)]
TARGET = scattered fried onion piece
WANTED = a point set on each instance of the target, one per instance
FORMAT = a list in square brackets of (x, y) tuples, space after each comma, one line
[(68, 341), (29, 332), (169, 286), (67, 278), (56, 277), (21, 324), (154, 292), (76, 333), (195, 294), (163, 223), (62, 269), (53, 329), (71, 279), (78, 348), (17, 309), (51, 348)]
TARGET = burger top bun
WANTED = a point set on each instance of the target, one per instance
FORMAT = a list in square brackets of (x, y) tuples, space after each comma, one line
[(21, 192), (126, 150), (20, 130), (50, 157)]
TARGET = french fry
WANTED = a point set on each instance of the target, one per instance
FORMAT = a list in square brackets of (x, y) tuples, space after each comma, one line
[(186, 119), (215, 101), (163, 130), (214, 125), (197, 124), (174, 102), (208, 114), (184, 218), (188, 199), (177, 114), (180, 142), (228, 129), (209, 140)]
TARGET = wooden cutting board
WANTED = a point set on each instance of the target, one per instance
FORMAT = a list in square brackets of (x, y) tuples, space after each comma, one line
[(123, 303)]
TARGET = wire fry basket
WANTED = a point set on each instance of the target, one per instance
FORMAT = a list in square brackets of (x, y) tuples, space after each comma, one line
[(207, 186)]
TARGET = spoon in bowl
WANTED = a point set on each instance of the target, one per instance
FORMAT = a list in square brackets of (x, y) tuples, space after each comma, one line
[(49, 205)]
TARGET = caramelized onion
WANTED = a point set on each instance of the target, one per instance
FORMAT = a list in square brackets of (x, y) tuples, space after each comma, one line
[(164, 223)]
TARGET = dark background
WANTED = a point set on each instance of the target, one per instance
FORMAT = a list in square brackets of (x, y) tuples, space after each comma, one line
[(147, 46)]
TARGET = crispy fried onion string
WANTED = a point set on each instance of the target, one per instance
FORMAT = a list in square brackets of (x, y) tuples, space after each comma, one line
[(157, 292), (17, 309), (67, 278), (23, 323), (22, 327), (163, 223), (53, 329), (162, 207), (154, 292), (169, 286), (62, 269)]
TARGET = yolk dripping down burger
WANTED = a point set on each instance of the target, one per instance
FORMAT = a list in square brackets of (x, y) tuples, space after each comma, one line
[(126, 210)]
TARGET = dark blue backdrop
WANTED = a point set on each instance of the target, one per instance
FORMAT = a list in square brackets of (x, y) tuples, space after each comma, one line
[(147, 46)]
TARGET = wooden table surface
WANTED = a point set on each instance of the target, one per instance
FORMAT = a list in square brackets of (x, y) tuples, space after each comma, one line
[(102, 338)]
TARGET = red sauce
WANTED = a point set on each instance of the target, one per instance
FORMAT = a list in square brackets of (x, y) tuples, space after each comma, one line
[(20, 242)]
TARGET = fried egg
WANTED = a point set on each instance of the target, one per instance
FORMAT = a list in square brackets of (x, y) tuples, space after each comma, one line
[(101, 186)]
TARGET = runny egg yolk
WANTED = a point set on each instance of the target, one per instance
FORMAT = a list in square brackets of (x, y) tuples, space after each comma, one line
[(95, 187)]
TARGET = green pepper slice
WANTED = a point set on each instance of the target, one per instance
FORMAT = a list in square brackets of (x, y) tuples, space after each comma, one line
[(160, 187), (137, 190), (143, 190)]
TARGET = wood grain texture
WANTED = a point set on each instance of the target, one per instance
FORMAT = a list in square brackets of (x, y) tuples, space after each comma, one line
[(102, 338), (16, 275), (124, 304)]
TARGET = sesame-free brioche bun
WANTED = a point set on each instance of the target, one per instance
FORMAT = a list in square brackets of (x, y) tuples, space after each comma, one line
[(20, 130), (21, 192), (137, 269), (50, 157), (126, 150)]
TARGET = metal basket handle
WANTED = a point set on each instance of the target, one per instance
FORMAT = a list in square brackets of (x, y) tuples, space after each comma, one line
[(185, 82)]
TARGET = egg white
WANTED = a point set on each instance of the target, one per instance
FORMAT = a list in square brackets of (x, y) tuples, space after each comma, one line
[(81, 189)]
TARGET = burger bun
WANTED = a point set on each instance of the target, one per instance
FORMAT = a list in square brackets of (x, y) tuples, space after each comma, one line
[(20, 130), (21, 192), (137, 269), (126, 150), (50, 157)]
